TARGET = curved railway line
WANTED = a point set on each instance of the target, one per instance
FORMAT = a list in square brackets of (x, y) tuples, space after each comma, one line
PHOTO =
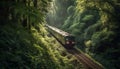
[(87, 62)]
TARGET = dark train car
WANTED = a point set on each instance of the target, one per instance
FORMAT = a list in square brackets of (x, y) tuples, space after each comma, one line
[(66, 39)]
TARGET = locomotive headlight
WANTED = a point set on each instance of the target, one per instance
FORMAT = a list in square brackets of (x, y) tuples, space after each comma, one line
[(73, 42), (67, 42)]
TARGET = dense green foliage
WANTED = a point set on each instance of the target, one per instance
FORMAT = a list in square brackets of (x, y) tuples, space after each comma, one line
[(58, 12), (95, 23), (24, 42)]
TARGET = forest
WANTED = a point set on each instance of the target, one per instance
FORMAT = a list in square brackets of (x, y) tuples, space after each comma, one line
[(94, 23), (26, 44)]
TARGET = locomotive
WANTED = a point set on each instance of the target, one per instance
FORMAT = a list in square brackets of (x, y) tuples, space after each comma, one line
[(64, 38)]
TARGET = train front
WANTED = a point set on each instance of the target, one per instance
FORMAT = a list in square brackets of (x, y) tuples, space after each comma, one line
[(69, 41)]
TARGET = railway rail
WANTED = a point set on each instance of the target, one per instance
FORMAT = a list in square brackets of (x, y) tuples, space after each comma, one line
[(87, 62)]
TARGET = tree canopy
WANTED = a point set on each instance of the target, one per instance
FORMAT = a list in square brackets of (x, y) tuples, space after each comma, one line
[(95, 23)]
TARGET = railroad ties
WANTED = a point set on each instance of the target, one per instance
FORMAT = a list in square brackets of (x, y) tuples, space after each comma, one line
[(86, 61)]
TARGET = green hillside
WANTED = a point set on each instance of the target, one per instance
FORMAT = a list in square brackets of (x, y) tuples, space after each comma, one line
[(95, 23), (24, 41)]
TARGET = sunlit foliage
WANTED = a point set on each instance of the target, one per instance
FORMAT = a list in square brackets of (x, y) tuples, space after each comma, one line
[(59, 14), (24, 41), (95, 23)]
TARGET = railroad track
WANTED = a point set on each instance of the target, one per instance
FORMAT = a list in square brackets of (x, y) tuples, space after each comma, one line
[(61, 37), (87, 62)]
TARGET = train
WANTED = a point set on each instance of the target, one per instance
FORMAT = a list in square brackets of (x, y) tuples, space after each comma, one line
[(67, 40)]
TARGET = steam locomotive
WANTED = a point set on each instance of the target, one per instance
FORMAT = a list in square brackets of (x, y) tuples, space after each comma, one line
[(64, 38)]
